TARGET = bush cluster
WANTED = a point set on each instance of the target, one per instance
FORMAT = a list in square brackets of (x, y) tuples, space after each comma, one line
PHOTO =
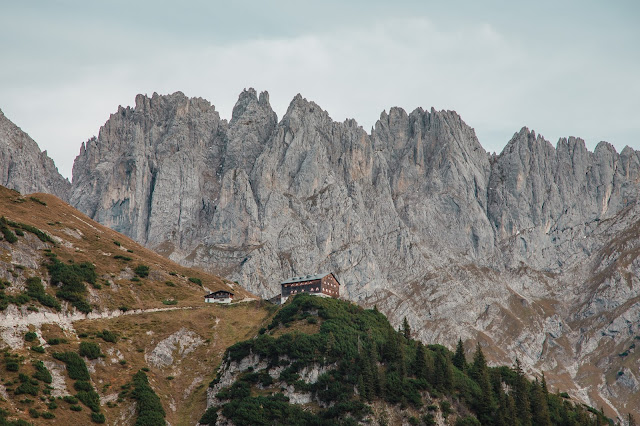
[(109, 336), (71, 278), (196, 280), (35, 290), (6, 232), (149, 408), (76, 368), (142, 271), (42, 236), (42, 372), (90, 349)]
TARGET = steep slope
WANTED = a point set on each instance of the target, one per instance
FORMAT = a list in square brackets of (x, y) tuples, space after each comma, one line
[(71, 285), (23, 167), (415, 218), (327, 362)]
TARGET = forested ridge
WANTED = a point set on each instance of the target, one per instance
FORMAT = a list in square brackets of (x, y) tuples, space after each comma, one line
[(364, 361)]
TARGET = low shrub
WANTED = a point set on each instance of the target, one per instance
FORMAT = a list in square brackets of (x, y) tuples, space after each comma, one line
[(90, 350), (42, 372), (97, 418), (37, 200), (149, 408), (90, 398), (70, 399), (142, 271), (110, 336), (76, 368), (47, 415)]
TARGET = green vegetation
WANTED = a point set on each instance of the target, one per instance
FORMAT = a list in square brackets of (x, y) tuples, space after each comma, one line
[(27, 386), (121, 257), (30, 336), (42, 372), (76, 368), (196, 280), (37, 200), (43, 236), (70, 399), (11, 362), (4, 422), (142, 271), (97, 418), (35, 290), (38, 349), (6, 232), (71, 278), (370, 361), (109, 336), (90, 349), (18, 299), (170, 302), (149, 408)]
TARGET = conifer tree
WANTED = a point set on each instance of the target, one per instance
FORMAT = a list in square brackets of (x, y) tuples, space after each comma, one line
[(366, 379), (443, 373), (539, 405), (480, 373), (459, 359), (420, 363), (511, 413), (406, 329), (521, 397), (331, 342), (545, 389)]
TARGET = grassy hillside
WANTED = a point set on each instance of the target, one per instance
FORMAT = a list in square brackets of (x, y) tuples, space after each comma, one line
[(71, 289), (344, 364)]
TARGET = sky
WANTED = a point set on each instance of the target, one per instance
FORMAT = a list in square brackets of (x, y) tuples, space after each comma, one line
[(561, 68)]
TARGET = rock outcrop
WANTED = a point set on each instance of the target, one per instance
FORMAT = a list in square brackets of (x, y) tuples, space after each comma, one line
[(24, 167), (532, 250)]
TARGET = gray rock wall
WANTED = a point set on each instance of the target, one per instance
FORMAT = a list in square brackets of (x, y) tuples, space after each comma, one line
[(527, 251), (24, 167)]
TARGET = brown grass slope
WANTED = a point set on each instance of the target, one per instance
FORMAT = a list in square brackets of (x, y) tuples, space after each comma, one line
[(161, 322)]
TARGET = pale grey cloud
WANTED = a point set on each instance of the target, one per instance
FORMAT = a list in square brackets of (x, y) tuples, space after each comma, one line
[(559, 70)]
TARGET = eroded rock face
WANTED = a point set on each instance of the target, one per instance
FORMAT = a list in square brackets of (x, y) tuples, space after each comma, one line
[(532, 251), (179, 344), (24, 167)]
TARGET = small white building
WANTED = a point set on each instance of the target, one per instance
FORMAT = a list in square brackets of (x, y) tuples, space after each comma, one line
[(220, 296)]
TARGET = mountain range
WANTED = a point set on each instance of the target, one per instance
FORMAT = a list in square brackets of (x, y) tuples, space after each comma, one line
[(533, 252)]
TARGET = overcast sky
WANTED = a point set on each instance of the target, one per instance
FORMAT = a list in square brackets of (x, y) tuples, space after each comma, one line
[(561, 68)]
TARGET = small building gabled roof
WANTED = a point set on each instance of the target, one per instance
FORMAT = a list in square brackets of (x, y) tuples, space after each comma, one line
[(218, 292), (308, 278)]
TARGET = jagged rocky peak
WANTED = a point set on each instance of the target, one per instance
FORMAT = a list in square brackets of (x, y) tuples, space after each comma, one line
[(252, 122), (24, 167), (416, 217), (166, 146)]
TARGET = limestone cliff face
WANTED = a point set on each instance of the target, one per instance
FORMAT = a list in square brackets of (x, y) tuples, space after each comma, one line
[(24, 167), (532, 250)]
